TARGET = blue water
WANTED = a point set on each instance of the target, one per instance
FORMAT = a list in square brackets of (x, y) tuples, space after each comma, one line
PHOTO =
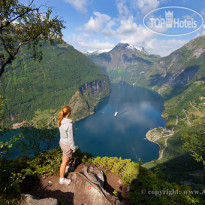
[(102, 134), (138, 109)]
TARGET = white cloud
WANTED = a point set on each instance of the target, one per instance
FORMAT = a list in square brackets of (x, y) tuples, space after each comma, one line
[(139, 37), (79, 5), (126, 7), (122, 8), (130, 32), (100, 23), (85, 35), (163, 47), (89, 45), (203, 12), (145, 5), (124, 28), (203, 31)]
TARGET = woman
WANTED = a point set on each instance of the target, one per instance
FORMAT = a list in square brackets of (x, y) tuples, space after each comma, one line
[(66, 141)]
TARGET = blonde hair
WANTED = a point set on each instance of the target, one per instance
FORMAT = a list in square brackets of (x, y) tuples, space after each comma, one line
[(65, 110)]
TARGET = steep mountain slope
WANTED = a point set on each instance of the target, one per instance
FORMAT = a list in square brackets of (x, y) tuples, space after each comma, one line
[(35, 90), (183, 65), (182, 84), (127, 63)]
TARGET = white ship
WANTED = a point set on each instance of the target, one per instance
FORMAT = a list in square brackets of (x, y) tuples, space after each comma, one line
[(115, 114)]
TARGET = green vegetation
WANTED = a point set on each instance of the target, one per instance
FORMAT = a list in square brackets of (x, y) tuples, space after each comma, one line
[(2, 104), (182, 161), (14, 173), (32, 88), (177, 164), (124, 169), (22, 25), (139, 74), (150, 189), (195, 143), (187, 108), (115, 193)]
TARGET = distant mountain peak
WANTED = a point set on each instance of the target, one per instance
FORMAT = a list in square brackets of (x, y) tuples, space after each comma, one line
[(131, 47), (123, 45), (119, 45), (96, 52)]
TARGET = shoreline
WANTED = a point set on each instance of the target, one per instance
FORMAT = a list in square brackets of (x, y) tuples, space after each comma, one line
[(156, 134), (18, 125)]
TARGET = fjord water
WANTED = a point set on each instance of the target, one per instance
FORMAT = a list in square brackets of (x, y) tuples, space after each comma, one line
[(103, 134)]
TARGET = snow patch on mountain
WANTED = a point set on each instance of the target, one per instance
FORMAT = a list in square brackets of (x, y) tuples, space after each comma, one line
[(98, 51), (133, 47), (119, 45)]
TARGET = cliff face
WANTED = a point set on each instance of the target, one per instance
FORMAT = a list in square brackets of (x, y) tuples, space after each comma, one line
[(95, 87), (85, 99)]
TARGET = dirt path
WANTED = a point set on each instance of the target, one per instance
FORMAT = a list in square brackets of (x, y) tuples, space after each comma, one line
[(162, 152), (185, 112), (177, 120), (196, 109)]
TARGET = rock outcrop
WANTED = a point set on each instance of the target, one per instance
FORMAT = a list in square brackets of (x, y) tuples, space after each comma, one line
[(88, 186), (32, 200), (86, 98)]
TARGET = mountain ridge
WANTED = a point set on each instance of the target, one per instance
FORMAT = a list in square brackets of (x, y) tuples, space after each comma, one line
[(182, 85), (124, 45), (126, 63), (183, 65)]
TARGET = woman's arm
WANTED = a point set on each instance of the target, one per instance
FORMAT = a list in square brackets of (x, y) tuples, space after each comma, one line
[(70, 137)]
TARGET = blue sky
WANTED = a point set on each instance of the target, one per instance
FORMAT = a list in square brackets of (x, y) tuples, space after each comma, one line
[(101, 24)]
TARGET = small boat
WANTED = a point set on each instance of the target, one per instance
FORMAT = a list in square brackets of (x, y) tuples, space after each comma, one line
[(115, 114)]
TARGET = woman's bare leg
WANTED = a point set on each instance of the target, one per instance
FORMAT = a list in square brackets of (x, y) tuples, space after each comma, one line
[(63, 166)]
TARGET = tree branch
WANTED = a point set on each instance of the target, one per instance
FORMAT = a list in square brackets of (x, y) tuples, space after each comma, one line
[(26, 42), (9, 22), (5, 46), (31, 3), (30, 30), (9, 60), (11, 57)]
